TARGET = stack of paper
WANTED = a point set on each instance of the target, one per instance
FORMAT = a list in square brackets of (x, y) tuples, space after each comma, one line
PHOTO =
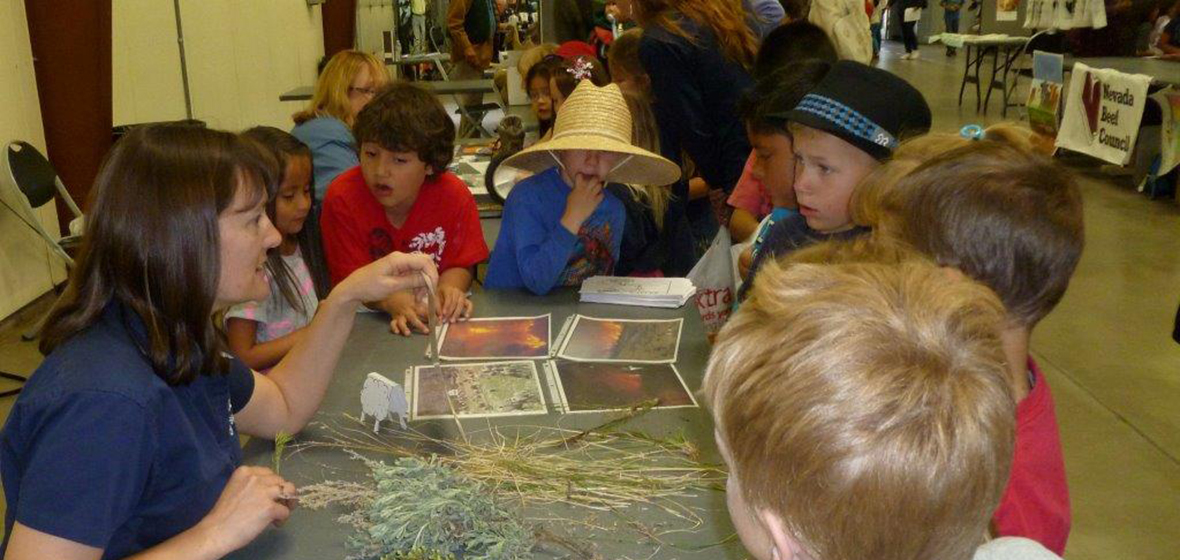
[(642, 292)]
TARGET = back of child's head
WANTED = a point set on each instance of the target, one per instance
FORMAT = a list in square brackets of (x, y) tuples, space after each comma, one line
[(1020, 137), (866, 405), (407, 118), (1008, 218), (792, 42), (576, 69), (865, 204), (330, 97), (624, 65), (777, 93)]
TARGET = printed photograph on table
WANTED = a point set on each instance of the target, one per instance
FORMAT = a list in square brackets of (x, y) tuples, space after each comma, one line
[(599, 386), (478, 390), (651, 341), (495, 338)]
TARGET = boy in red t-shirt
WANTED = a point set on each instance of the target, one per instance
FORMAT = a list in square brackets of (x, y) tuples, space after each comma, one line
[(1011, 220), (402, 198)]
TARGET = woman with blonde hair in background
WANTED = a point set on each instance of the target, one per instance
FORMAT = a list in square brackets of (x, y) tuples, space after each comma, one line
[(347, 83)]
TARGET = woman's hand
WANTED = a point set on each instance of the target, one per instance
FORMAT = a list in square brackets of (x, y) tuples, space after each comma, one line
[(253, 499), (392, 273)]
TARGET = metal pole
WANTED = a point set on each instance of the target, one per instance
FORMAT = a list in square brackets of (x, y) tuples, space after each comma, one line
[(188, 101)]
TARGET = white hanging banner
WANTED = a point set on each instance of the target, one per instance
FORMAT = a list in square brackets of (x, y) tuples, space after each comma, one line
[(1169, 102), (1064, 14), (1102, 113)]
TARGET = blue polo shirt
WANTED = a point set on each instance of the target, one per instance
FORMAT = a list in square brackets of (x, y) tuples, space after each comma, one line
[(101, 451)]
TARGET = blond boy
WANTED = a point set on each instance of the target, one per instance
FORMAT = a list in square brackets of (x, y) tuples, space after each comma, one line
[(864, 412), (842, 130)]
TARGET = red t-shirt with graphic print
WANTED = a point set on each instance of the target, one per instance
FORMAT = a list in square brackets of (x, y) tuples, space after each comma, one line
[(443, 223)]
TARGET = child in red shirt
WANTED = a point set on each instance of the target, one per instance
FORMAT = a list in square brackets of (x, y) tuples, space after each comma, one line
[(1011, 220), (402, 198)]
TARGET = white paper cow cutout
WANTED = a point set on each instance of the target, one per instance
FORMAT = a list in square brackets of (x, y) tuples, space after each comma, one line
[(383, 399)]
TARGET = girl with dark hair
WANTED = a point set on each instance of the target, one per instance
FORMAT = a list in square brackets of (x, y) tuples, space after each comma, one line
[(260, 333), (125, 440), (536, 82)]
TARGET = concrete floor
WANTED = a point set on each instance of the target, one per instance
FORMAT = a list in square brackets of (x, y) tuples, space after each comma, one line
[(1106, 350)]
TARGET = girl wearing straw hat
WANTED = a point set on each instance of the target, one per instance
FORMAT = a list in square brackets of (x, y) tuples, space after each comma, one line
[(560, 226)]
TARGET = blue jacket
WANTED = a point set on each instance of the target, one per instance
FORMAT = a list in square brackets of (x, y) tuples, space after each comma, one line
[(535, 251), (333, 150)]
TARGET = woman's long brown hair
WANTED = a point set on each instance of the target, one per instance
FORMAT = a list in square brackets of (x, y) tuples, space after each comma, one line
[(152, 243), (726, 18)]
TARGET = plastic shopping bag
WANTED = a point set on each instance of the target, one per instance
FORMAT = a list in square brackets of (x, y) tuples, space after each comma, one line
[(714, 279)]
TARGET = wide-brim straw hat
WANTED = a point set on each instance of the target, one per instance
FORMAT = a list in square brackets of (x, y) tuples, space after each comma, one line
[(597, 118)]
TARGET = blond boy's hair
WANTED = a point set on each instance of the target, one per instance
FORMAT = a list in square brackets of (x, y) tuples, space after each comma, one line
[(865, 204), (330, 98), (1020, 137), (871, 409), (1004, 216)]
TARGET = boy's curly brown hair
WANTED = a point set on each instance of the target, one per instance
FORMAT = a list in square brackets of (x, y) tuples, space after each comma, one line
[(407, 118)]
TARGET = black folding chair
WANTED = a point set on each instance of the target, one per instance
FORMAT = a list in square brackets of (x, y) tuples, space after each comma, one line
[(28, 183)]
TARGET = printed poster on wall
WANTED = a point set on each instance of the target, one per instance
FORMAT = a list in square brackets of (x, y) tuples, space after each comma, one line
[(1006, 10), (1044, 95), (1102, 113), (1169, 102)]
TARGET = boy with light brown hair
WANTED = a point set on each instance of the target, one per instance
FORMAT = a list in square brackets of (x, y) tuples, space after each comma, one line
[(1011, 220), (864, 411)]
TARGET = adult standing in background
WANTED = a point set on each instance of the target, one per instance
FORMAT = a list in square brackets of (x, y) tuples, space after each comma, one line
[(697, 54), (950, 17), (348, 82), (418, 19), (911, 13), (472, 25)]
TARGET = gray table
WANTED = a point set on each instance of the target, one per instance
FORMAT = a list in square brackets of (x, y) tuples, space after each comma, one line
[(452, 87), (411, 59), (301, 93), (456, 87), (1162, 72), (316, 534), (1004, 51), (435, 58)]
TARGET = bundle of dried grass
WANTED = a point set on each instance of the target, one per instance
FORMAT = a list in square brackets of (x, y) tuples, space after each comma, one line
[(603, 469)]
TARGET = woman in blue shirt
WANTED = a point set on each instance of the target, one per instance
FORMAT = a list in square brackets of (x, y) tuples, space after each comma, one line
[(125, 440), (349, 81)]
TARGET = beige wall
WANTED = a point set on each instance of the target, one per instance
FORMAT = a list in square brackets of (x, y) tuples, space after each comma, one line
[(26, 265), (241, 56)]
